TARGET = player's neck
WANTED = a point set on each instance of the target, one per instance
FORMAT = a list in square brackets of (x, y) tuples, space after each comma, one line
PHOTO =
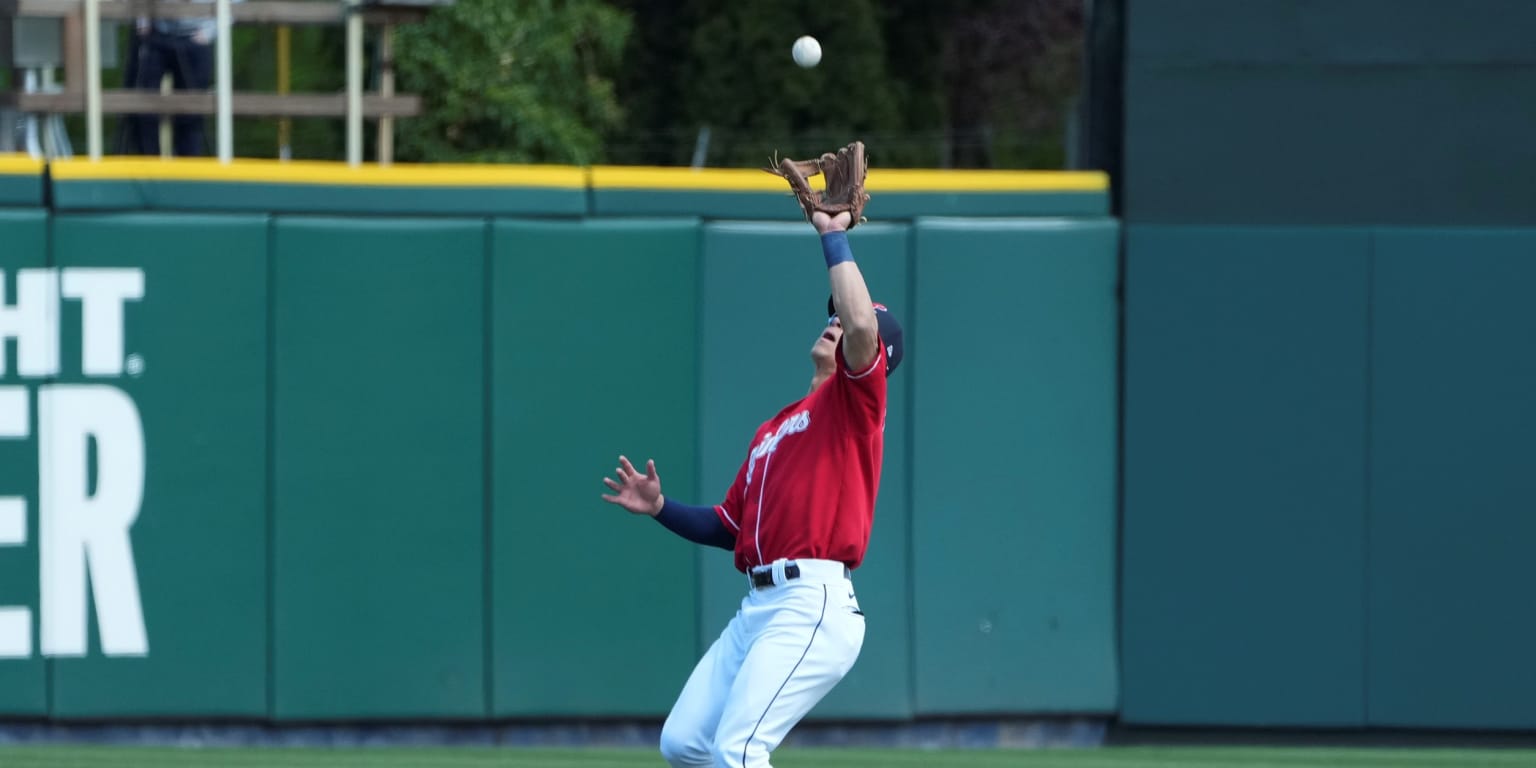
[(817, 380)]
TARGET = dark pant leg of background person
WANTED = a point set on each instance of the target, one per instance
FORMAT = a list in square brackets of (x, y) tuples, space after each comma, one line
[(150, 67), (127, 126), (193, 71)]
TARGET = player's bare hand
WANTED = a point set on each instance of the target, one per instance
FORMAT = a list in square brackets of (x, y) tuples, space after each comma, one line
[(825, 223), (639, 493)]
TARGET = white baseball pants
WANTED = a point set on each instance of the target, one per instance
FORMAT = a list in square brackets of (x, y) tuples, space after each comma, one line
[(784, 650)]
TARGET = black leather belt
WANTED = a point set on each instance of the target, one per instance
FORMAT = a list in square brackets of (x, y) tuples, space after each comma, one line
[(764, 578)]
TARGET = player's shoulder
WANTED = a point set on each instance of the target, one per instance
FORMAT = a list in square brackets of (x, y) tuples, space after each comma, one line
[(863, 375), (788, 411)]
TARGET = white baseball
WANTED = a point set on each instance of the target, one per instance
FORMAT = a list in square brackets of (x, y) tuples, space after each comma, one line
[(807, 51)]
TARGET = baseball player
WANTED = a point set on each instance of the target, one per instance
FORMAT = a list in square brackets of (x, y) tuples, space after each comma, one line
[(798, 516)]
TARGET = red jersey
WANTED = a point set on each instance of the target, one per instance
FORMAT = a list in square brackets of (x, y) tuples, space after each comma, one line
[(807, 488)]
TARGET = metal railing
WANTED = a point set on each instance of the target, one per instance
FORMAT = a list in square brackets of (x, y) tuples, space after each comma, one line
[(82, 91)]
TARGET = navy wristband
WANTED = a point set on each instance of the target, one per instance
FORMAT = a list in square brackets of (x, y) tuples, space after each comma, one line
[(834, 246)]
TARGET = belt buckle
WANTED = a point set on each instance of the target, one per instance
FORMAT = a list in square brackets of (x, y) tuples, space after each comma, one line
[(789, 570)]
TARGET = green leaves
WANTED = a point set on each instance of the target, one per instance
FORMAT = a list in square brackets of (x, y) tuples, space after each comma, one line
[(743, 83), (512, 81), (966, 83)]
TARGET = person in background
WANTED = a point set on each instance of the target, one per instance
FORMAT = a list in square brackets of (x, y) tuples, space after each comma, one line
[(183, 48)]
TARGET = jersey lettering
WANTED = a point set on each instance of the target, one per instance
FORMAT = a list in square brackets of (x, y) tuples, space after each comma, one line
[(818, 502), (792, 425)]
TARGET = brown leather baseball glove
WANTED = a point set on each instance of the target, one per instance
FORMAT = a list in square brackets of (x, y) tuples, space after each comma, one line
[(845, 172)]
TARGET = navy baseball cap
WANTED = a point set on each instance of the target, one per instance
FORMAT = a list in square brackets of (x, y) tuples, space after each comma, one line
[(890, 334)]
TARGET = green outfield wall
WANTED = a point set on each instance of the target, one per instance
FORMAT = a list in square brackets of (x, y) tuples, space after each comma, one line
[(309, 443), (322, 464), (1328, 486), (1327, 378), (1276, 112)]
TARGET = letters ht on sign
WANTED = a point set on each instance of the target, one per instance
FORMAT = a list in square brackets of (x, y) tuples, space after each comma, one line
[(83, 535)]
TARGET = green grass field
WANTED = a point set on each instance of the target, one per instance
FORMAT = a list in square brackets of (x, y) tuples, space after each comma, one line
[(397, 757)]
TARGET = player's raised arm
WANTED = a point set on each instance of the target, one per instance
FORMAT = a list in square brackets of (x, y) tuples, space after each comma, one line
[(834, 212), (850, 295)]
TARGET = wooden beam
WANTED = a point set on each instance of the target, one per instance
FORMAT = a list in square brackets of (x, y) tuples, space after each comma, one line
[(74, 51), (385, 147), (121, 101), (248, 12)]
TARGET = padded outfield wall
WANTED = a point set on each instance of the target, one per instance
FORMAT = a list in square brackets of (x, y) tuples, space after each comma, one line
[(303, 442), (1328, 485)]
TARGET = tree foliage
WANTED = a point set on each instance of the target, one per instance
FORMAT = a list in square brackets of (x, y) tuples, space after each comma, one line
[(743, 83), (318, 56), (965, 83), (1011, 75), (726, 67), (524, 81), (962, 83)]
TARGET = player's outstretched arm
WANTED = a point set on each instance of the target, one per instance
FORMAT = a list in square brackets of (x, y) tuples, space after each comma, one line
[(641, 495), (850, 295)]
